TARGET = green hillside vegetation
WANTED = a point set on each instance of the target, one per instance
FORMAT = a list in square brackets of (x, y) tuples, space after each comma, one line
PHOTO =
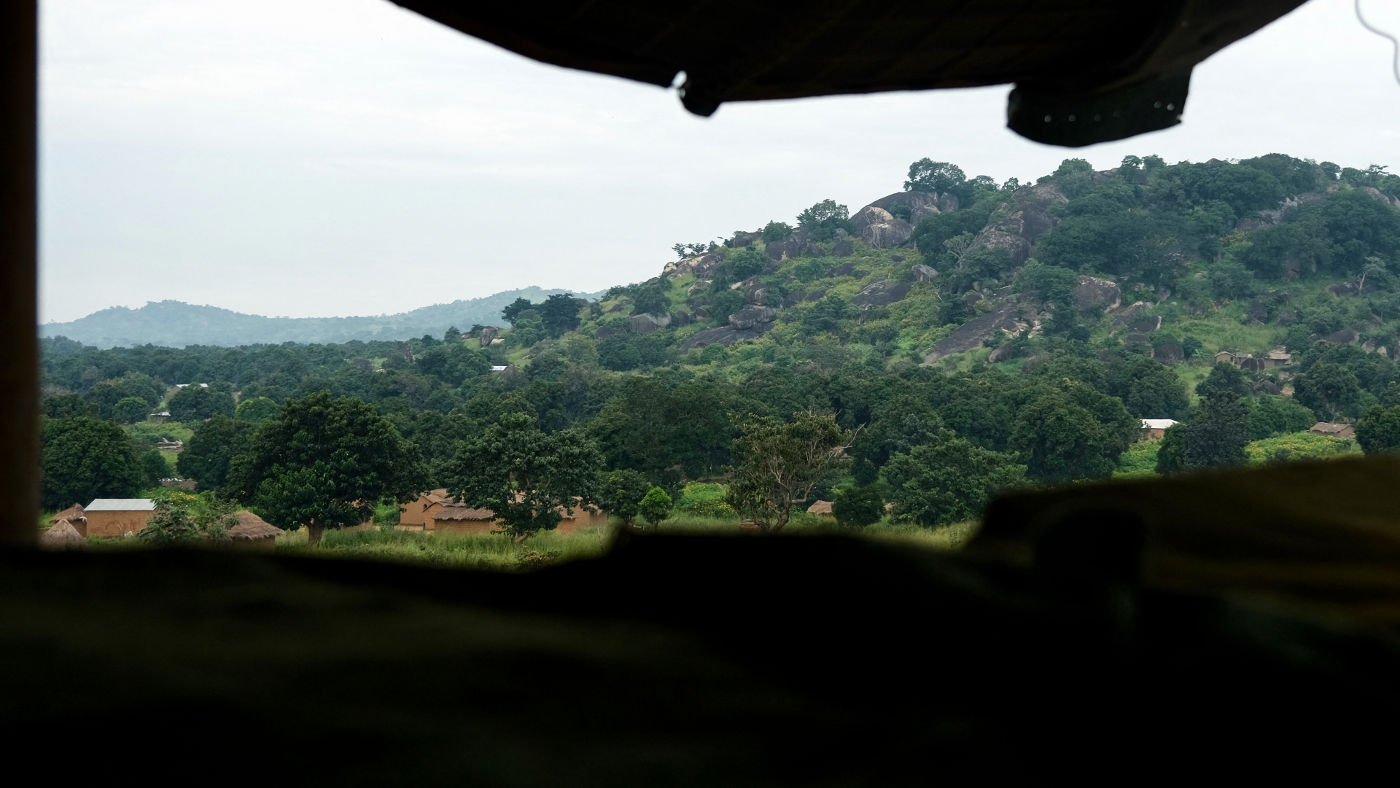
[(968, 336)]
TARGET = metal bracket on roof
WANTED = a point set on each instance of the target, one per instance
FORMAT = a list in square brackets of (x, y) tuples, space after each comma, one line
[(1076, 119)]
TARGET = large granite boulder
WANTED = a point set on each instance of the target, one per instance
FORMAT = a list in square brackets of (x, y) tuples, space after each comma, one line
[(920, 204), (742, 239), (1347, 336), (1149, 325), (698, 265), (1256, 311), (751, 315), (1094, 292), (777, 250), (681, 318), (870, 215), (1286, 319), (756, 295), (1170, 354), (1131, 312), (487, 334), (724, 335), (843, 248), (647, 323), (975, 332), (1016, 225), (887, 235), (881, 293), (923, 273)]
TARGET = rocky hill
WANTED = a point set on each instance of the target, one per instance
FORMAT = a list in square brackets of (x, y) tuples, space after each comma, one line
[(177, 324), (1172, 261)]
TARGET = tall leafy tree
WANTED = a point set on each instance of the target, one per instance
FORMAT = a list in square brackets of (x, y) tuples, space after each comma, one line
[(325, 463), (85, 459), (512, 310), (1072, 434), (1330, 390), (559, 313), (948, 480), (207, 456), (935, 177), (620, 494), (1217, 433), (525, 476), (1378, 431), (858, 506), (195, 403), (781, 463)]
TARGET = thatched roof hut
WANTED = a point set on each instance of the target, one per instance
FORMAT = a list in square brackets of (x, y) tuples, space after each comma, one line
[(62, 536), (253, 531), (821, 509), (72, 514)]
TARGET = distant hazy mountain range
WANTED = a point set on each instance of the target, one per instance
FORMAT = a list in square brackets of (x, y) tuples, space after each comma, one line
[(177, 324)]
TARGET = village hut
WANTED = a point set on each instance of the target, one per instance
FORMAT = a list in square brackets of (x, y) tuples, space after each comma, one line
[(75, 516), (253, 532), (458, 519), (1154, 429), (118, 516), (62, 536), (414, 515), (821, 509), (1333, 430), (583, 517)]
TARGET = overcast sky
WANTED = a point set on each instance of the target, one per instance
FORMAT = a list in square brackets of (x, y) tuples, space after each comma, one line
[(347, 157)]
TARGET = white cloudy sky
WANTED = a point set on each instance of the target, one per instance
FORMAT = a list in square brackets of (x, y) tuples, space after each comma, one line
[(341, 157)]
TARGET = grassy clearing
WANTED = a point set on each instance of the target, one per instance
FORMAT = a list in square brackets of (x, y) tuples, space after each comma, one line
[(1139, 461), (1300, 446), (494, 552)]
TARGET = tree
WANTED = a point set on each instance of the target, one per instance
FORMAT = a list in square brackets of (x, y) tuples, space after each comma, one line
[(781, 463), (1171, 452), (934, 177), (186, 519), (1059, 440), (85, 458), (524, 475), (155, 467), (858, 507), (209, 453), (620, 494), (776, 231), (656, 506), (1224, 380), (948, 480), (1330, 390), (559, 313), (129, 410), (513, 310), (325, 463), (1277, 415), (822, 220), (1216, 434), (651, 298), (67, 406), (1379, 430), (195, 403), (256, 410)]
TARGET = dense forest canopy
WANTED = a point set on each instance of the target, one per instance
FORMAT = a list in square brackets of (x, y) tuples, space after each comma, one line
[(1023, 330)]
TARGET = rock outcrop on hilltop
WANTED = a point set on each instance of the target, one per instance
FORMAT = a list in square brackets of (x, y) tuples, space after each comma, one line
[(1015, 226)]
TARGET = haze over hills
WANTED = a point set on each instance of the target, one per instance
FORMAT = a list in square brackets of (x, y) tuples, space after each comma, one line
[(177, 324)]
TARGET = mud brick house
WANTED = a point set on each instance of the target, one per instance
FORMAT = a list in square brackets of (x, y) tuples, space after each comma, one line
[(118, 516)]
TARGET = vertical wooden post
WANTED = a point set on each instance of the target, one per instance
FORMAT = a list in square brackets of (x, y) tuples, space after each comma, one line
[(19, 314)]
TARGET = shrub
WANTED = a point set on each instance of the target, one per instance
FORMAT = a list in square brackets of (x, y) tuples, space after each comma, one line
[(859, 506), (699, 499), (656, 506)]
